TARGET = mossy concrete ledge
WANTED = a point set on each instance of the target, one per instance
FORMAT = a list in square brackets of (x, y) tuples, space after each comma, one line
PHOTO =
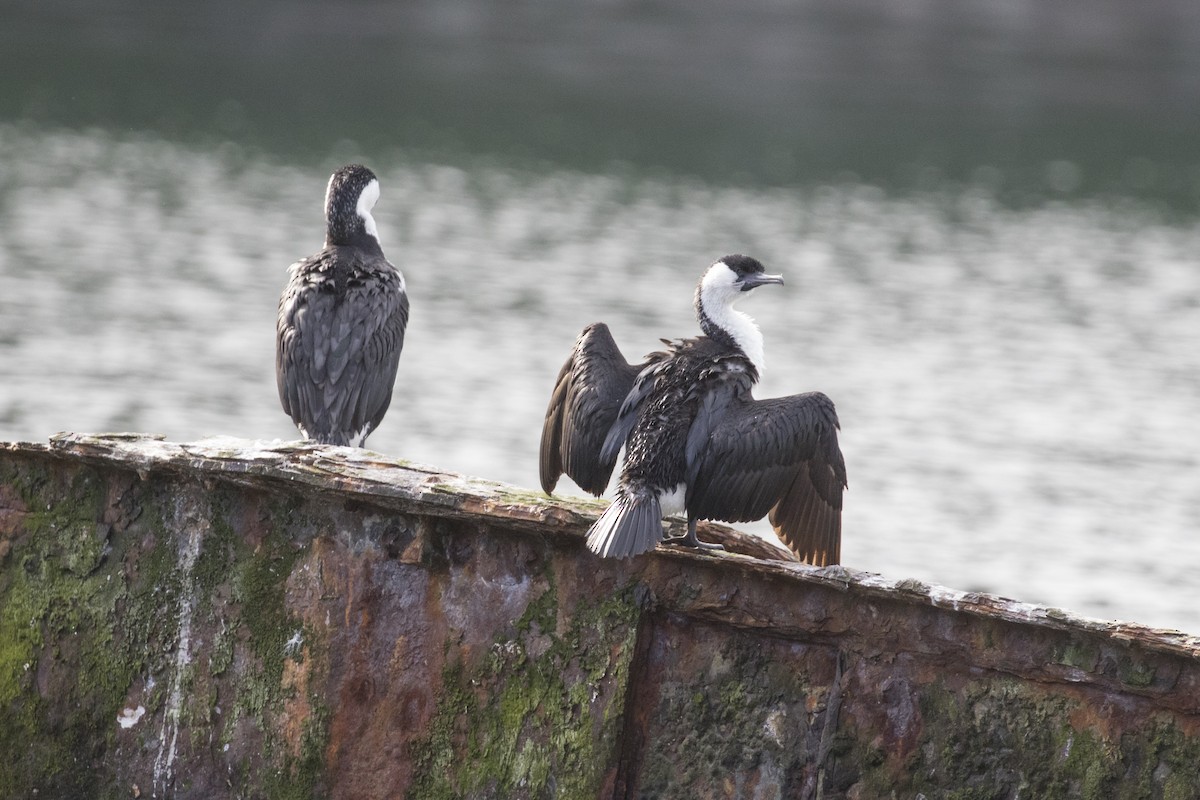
[(240, 619)]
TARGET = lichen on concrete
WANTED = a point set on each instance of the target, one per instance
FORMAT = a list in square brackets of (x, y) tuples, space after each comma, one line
[(241, 575), (90, 623), (725, 709), (1000, 738), (540, 716), (73, 630)]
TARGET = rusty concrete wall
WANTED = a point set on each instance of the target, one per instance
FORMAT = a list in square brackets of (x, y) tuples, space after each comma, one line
[(230, 620)]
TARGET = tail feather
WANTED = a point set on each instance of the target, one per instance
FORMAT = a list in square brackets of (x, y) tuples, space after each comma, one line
[(628, 527)]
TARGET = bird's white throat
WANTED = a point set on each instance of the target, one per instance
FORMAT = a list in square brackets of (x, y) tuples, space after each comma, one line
[(718, 292), (366, 201)]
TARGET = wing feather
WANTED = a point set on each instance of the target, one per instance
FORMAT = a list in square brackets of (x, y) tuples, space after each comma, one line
[(587, 397), (380, 359), (339, 334), (778, 457)]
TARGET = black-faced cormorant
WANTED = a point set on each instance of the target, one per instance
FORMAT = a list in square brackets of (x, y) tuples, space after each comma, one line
[(341, 322), (695, 439)]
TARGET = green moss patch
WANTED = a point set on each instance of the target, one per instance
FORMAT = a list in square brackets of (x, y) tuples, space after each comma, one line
[(90, 617), (1001, 738), (541, 716), (75, 631), (731, 709)]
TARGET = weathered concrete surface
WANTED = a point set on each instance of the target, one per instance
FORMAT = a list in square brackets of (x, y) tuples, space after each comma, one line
[(225, 619)]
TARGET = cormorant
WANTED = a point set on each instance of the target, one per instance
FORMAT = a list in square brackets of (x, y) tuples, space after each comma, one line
[(695, 438), (341, 321)]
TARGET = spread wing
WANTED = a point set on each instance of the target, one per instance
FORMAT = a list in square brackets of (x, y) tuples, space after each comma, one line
[(587, 397), (778, 456), (336, 351)]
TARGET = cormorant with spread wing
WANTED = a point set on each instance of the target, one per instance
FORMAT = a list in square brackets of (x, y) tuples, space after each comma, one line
[(695, 439), (341, 322)]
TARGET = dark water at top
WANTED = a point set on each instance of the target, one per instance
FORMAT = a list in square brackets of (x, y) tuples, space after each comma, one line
[(896, 94), (987, 214)]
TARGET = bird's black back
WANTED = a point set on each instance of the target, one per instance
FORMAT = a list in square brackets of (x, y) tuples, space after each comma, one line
[(339, 334), (684, 376)]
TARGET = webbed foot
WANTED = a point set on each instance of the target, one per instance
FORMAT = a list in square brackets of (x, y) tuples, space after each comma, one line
[(689, 539)]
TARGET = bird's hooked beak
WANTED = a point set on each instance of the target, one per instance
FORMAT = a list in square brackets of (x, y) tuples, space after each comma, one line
[(750, 280)]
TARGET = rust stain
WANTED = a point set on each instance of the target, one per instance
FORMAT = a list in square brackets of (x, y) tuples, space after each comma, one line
[(12, 517), (121, 506), (297, 708)]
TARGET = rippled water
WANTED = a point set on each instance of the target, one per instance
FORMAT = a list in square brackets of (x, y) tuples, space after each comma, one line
[(1018, 388)]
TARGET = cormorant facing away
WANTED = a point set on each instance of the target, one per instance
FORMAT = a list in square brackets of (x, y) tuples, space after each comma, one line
[(341, 321), (695, 439)]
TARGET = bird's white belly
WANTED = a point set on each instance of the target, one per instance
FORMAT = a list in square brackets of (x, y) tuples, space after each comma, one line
[(672, 501)]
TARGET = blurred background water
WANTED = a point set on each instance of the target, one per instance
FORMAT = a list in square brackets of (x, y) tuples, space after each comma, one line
[(988, 215)]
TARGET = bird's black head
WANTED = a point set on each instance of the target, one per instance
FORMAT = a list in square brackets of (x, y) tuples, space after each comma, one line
[(748, 272), (729, 277), (351, 195)]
